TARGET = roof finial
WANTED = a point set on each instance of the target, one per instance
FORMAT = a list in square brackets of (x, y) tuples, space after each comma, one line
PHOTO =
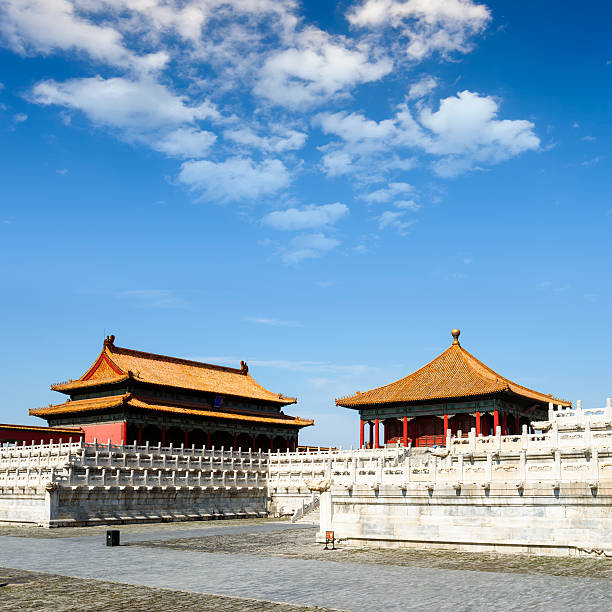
[(455, 333), (109, 340), (244, 368)]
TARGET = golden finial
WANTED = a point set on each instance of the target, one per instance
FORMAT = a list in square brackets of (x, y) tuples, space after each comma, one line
[(455, 333)]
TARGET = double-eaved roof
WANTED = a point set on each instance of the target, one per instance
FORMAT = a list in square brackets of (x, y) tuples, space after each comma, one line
[(455, 373), (157, 405), (116, 364)]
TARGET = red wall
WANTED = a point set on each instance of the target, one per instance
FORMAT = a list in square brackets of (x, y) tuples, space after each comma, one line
[(34, 436), (115, 431)]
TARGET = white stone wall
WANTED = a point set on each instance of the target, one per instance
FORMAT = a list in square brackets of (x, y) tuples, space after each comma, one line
[(545, 493), (79, 484)]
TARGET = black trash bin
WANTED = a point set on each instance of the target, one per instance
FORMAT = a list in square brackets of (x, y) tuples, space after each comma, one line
[(112, 537)]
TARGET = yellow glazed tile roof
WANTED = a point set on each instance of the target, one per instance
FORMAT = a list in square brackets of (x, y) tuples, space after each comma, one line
[(142, 403), (115, 364), (453, 374)]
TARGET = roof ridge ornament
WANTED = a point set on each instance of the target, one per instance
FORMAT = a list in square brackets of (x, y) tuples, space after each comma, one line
[(244, 368), (455, 333), (109, 340)]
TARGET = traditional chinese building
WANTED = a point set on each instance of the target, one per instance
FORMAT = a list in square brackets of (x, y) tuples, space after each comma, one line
[(454, 391), (129, 395)]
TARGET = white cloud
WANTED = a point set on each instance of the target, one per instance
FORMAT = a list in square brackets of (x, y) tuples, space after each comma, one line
[(307, 246), (20, 118), (235, 179), (153, 298), (421, 88), (186, 142), (308, 217), (461, 134), (443, 26), (273, 322), (134, 105), (315, 69), (280, 140), (46, 26), (393, 219), (389, 193)]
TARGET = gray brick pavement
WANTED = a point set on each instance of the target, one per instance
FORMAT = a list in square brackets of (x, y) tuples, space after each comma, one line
[(352, 586)]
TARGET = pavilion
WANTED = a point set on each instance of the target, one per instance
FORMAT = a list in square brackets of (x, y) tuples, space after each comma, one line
[(133, 396), (454, 391)]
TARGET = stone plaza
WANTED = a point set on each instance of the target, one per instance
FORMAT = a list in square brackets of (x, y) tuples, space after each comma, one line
[(270, 565)]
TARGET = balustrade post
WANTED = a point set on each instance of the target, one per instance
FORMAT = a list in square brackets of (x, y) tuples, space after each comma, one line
[(489, 470), (523, 465), (524, 438), (595, 464)]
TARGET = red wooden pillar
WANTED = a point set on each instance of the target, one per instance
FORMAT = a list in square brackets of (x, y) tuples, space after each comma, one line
[(186, 438), (478, 423), (405, 432), (208, 439), (445, 425), (495, 421), (123, 433), (288, 443), (235, 441), (163, 436), (517, 424), (361, 428), (140, 435), (376, 434), (505, 424)]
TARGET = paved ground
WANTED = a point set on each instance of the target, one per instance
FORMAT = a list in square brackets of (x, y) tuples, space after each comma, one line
[(28, 591), (267, 567)]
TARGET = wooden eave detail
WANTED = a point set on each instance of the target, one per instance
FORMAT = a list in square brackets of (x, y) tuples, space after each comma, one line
[(153, 404)]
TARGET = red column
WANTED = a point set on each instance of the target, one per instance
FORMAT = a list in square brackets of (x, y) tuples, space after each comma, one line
[(405, 432), (495, 421), (123, 432), (445, 425), (517, 424), (163, 440), (361, 427), (235, 441), (288, 444), (208, 439), (478, 423), (376, 434), (140, 435), (186, 438), (504, 424)]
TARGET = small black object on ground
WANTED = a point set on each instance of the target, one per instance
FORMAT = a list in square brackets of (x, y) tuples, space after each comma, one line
[(112, 537)]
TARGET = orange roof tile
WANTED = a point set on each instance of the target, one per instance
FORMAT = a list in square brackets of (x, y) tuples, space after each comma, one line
[(455, 373), (115, 364), (127, 399)]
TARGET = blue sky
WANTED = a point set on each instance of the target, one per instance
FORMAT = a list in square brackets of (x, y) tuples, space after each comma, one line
[(323, 189)]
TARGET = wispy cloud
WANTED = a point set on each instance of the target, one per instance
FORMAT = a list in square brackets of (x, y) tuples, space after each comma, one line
[(152, 298), (306, 218), (273, 322)]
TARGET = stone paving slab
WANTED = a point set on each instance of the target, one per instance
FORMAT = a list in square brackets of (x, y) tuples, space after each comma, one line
[(29, 591), (350, 586), (300, 544), (178, 528)]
